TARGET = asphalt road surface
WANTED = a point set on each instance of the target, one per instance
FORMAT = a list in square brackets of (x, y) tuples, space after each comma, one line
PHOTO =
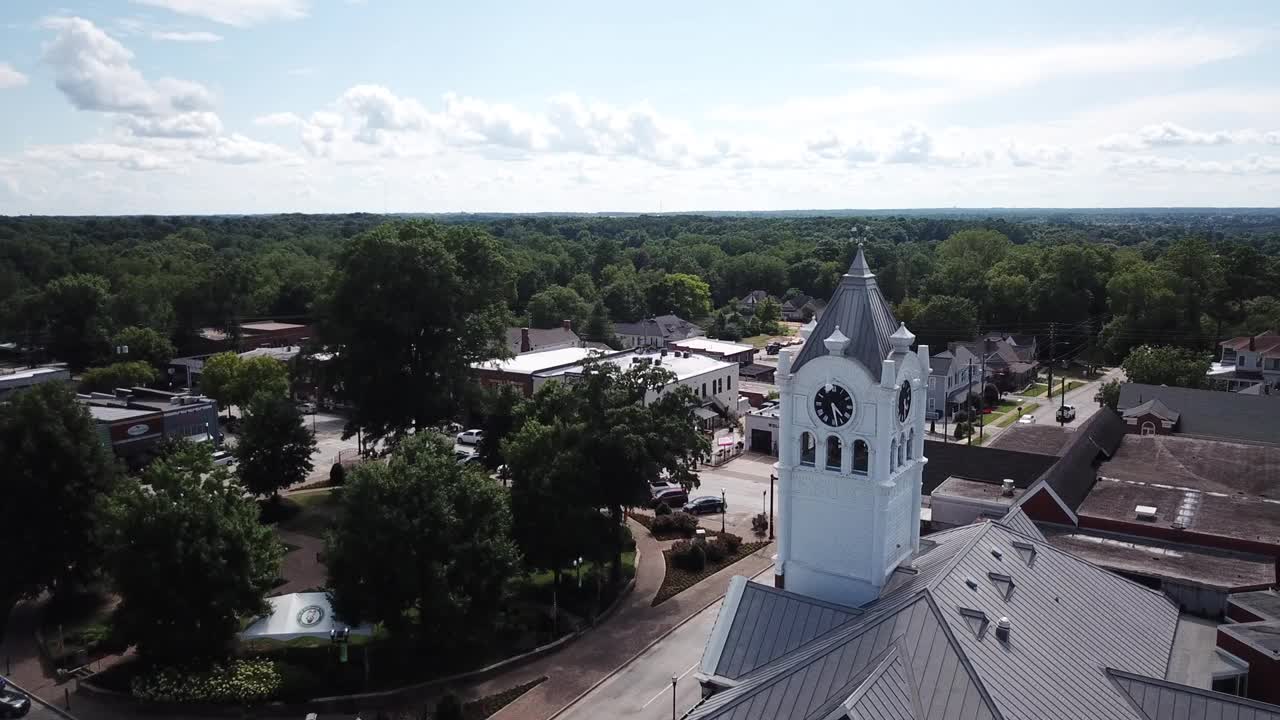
[(642, 689), (745, 482)]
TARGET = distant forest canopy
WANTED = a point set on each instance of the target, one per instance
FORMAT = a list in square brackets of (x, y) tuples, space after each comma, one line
[(1107, 280)]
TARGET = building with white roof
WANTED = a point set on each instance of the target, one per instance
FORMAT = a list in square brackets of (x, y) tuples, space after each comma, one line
[(721, 349)]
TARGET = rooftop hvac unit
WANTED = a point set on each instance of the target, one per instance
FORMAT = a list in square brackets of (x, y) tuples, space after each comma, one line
[(1145, 512)]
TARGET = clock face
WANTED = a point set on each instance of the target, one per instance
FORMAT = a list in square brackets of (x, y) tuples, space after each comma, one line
[(904, 402), (833, 405)]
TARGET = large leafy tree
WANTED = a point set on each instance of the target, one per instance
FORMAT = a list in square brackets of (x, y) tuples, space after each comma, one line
[(419, 535), (117, 375), (76, 307), (186, 553), (259, 376), (56, 472), (145, 345), (412, 307), (599, 328), (274, 447), (601, 430), (687, 296), (218, 378), (550, 307), (1167, 365)]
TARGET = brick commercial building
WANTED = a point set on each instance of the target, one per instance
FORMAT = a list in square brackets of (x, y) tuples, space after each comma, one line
[(133, 422)]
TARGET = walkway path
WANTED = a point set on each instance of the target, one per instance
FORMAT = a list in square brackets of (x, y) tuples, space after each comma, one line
[(589, 660)]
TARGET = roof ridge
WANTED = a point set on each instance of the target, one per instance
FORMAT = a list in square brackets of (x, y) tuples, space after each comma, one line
[(951, 562), (964, 658), (1115, 673)]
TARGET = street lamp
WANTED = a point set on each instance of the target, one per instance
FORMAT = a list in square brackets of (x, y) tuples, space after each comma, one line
[(724, 510), (674, 679)]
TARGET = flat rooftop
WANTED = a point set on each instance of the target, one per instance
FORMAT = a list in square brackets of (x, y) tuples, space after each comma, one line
[(269, 326), (112, 413), (1263, 603), (1229, 516), (1219, 466), (538, 361), (1155, 559), (722, 347), (1041, 439), (683, 367), (1261, 636), (975, 490)]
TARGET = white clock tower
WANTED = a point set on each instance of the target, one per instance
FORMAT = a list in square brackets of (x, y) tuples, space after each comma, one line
[(851, 436)]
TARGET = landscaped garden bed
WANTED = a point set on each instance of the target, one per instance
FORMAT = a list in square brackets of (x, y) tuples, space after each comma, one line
[(684, 569), (671, 526)]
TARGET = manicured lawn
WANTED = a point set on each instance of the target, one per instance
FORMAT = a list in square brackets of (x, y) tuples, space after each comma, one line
[(310, 513), (1011, 417), (760, 341), (1035, 390)]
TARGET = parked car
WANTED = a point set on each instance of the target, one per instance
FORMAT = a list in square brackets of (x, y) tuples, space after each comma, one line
[(674, 498), (705, 504), (1066, 413), (13, 704), (657, 486), (464, 457), (307, 408), (1027, 419), (773, 348), (470, 437), (223, 457)]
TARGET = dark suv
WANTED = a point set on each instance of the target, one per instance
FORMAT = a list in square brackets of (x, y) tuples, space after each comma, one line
[(674, 498), (13, 704)]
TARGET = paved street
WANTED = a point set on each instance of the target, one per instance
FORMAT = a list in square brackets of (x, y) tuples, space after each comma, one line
[(745, 481), (642, 689)]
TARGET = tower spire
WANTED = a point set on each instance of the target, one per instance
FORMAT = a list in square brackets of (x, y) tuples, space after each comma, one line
[(859, 268)]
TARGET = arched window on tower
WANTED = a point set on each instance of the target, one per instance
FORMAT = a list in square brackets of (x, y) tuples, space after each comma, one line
[(911, 444), (861, 456), (893, 455), (833, 453), (901, 442), (807, 449)]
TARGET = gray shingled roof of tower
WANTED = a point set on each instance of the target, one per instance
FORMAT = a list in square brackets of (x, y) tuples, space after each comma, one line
[(862, 314)]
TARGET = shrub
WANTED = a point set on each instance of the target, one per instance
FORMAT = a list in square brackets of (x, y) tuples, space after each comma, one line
[(688, 556), (626, 539), (759, 524), (337, 474), (731, 542), (240, 681), (449, 708), (680, 523), (716, 550), (662, 509)]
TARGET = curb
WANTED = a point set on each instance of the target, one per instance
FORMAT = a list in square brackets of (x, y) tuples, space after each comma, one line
[(646, 649), (37, 700)]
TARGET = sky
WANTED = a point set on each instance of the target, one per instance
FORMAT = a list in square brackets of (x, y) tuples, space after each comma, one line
[(257, 106)]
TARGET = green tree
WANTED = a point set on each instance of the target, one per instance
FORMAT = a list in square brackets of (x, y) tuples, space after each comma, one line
[(1261, 314), (944, 318), (117, 375), (500, 406), (1166, 365), (556, 304), (768, 313), (616, 440), (625, 299), (188, 557), (1109, 394), (274, 446), (145, 345), (599, 328), (412, 307), (686, 296), (259, 375), (56, 471), (76, 307), (421, 534), (218, 378)]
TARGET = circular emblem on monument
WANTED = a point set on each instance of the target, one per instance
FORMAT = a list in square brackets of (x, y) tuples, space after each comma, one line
[(310, 616)]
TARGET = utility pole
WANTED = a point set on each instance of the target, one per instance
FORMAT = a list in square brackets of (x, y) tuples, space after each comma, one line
[(1063, 396), (982, 393), (1053, 335), (967, 392)]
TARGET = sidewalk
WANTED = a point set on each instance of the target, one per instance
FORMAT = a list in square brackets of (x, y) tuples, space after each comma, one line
[(628, 631)]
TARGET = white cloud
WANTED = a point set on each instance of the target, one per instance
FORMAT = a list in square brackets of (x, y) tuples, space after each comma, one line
[(183, 125), (238, 13), (1253, 165), (912, 145), (1007, 68), (1043, 156), (278, 119), (10, 78), (124, 157), (186, 37), (239, 150), (95, 72), (1168, 134), (378, 110)]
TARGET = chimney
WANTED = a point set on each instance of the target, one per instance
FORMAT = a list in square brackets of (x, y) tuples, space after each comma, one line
[(525, 344), (1006, 487), (1252, 344), (567, 325), (1003, 626)]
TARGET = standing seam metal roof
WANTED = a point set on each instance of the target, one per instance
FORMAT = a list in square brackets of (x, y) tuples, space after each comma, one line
[(860, 311)]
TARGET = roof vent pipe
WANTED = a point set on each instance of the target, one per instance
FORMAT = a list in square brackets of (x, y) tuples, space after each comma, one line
[(1003, 626), (1006, 487)]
